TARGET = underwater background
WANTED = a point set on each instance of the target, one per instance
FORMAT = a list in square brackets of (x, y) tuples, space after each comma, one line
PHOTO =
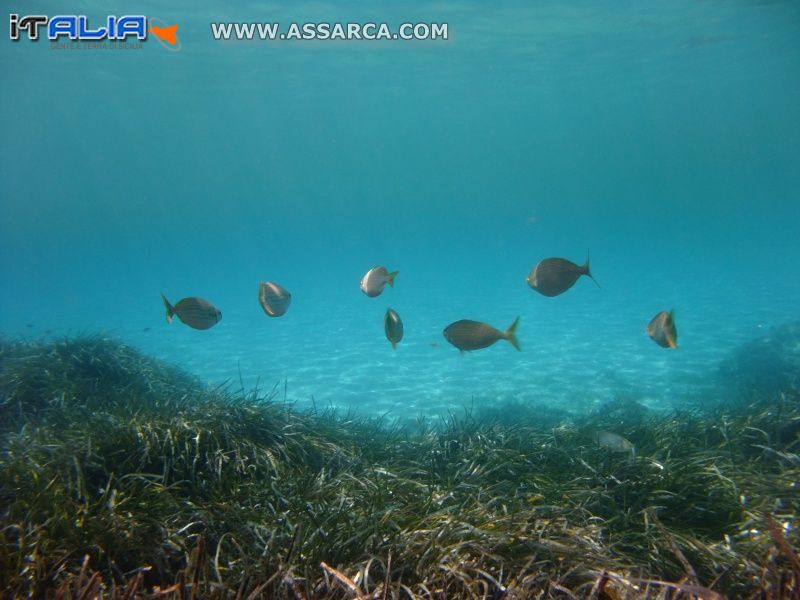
[(664, 138), (287, 457)]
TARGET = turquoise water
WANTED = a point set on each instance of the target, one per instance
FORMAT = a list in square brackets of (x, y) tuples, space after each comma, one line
[(662, 137)]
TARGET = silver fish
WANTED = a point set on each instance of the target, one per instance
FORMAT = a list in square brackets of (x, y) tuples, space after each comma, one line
[(473, 335), (195, 312), (554, 276), (662, 330), (614, 442), (274, 299), (393, 327), (375, 280)]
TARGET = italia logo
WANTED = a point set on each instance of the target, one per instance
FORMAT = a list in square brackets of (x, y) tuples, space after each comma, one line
[(77, 28)]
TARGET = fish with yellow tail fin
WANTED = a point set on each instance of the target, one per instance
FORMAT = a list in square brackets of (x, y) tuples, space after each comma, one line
[(469, 335), (195, 312), (662, 330), (375, 280), (554, 276), (273, 298)]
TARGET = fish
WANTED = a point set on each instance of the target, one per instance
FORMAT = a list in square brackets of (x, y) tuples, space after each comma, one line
[(474, 335), (554, 276), (614, 442), (662, 330), (195, 312), (375, 280), (393, 326), (274, 299)]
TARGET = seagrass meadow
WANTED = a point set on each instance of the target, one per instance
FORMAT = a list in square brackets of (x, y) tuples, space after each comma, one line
[(122, 477), (294, 309)]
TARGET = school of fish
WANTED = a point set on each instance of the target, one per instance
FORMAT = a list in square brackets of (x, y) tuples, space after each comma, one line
[(550, 277)]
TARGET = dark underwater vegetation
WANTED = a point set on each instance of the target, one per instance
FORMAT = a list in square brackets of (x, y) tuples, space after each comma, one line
[(270, 442), (123, 477)]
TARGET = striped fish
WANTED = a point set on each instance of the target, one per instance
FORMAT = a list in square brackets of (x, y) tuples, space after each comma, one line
[(273, 298), (195, 312), (474, 335)]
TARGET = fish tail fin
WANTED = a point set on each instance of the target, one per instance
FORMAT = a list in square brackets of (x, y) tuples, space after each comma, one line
[(588, 271), (169, 307), (390, 278), (511, 334), (672, 341)]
